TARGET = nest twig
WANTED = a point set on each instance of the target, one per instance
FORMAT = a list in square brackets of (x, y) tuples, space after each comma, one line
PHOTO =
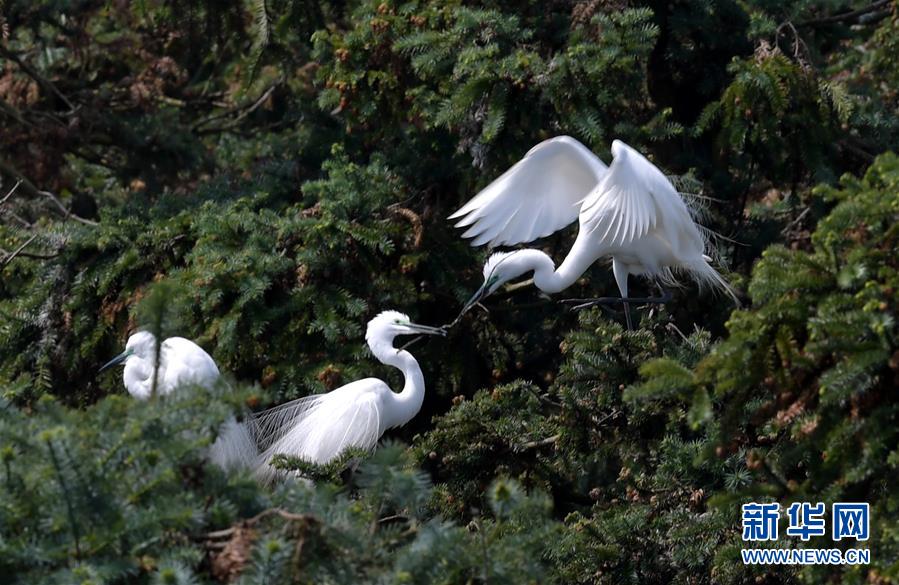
[(415, 219)]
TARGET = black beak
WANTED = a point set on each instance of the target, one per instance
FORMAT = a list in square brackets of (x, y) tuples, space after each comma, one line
[(427, 330), (116, 360), (422, 330), (476, 298)]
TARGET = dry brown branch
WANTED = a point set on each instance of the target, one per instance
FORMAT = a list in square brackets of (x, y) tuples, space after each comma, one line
[(66, 212), (231, 548), (10, 194), (289, 516), (32, 73), (4, 252), (414, 219)]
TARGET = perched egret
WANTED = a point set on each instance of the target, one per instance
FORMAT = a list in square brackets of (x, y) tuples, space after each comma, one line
[(628, 211), (183, 362), (318, 428)]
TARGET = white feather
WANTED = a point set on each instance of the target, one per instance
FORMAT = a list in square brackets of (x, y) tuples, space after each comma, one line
[(182, 362), (319, 428), (539, 195), (629, 211), (234, 448)]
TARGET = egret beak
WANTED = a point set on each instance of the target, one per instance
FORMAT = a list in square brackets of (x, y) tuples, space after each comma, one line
[(420, 330), (476, 298), (116, 360), (426, 329)]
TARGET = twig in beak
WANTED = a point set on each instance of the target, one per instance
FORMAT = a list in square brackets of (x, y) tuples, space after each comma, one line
[(415, 339)]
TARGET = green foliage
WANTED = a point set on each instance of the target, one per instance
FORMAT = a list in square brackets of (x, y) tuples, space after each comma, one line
[(120, 493), (254, 272), (100, 495), (775, 114), (478, 72), (802, 385)]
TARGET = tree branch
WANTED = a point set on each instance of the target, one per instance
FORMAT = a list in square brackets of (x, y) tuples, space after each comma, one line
[(289, 516), (10, 257), (241, 111), (32, 73), (540, 443), (66, 212), (32, 255), (11, 191), (28, 188), (846, 15)]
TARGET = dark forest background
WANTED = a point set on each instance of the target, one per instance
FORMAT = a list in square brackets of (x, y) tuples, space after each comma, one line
[(265, 176)]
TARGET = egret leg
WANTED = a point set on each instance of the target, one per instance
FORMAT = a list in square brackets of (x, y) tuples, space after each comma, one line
[(579, 304), (621, 274)]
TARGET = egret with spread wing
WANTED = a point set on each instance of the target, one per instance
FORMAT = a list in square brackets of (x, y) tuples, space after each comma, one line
[(183, 362), (628, 211), (319, 428)]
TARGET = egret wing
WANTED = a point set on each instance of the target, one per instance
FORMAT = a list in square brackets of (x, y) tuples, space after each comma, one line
[(633, 198), (184, 362), (539, 195), (319, 428), (270, 425)]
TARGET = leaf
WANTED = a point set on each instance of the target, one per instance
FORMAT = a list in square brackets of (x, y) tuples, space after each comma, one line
[(700, 410)]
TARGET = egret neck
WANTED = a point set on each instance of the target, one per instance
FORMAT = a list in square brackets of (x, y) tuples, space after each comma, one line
[(406, 403), (550, 280)]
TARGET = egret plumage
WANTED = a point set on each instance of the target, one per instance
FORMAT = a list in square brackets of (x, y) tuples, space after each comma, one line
[(628, 211), (319, 428), (183, 362)]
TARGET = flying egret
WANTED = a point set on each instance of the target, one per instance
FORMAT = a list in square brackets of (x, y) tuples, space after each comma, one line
[(183, 362), (628, 211), (319, 428)]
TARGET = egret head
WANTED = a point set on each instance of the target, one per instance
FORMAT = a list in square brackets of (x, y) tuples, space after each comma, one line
[(388, 324), (499, 269), (141, 345)]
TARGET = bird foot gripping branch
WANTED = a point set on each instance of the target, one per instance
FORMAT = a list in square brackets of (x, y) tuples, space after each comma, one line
[(581, 304), (625, 302)]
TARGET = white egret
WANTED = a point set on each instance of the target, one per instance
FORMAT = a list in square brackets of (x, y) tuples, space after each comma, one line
[(628, 211), (183, 362), (319, 428)]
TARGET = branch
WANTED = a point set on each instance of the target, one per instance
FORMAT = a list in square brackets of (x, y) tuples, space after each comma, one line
[(28, 188), (289, 516), (537, 444), (846, 15), (856, 150), (241, 111), (10, 257), (11, 191), (32, 73), (66, 212), (31, 255)]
